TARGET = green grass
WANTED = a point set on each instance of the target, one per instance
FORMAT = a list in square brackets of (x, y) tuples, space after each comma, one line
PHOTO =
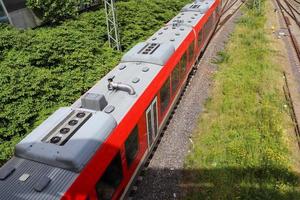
[(240, 149)]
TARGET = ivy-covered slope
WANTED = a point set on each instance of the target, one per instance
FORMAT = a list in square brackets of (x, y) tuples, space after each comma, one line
[(57, 10), (50, 67)]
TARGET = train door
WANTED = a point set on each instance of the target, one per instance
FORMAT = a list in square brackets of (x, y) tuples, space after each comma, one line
[(152, 125)]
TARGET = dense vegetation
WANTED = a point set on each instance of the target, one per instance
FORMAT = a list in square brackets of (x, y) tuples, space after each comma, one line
[(56, 10), (240, 149), (49, 67)]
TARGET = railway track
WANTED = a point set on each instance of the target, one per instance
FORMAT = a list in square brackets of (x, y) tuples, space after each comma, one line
[(292, 9), (290, 102), (225, 10), (290, 12), (291, 15), (229, 9)]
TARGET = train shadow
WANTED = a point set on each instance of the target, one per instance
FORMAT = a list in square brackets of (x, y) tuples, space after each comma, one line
[(258, 183), (219, 183)]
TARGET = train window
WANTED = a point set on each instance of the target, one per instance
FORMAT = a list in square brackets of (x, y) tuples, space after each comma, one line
[(155, 117), (210, 21), (132, 146), (191, 51), (183, 63), (110, 180), (165, 96), (175, 78), (204, 33), (207, 27), (12, 5), (200, 35)]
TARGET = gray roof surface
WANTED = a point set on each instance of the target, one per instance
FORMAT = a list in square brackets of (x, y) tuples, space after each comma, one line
[(178, 28), (14, 189), (121, 100), (200, 6), (86, 139), (174, 35), (77, 151), (189, 19), (151, 52)]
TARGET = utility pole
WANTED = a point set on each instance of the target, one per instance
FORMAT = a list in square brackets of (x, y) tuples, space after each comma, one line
[(112, 26)]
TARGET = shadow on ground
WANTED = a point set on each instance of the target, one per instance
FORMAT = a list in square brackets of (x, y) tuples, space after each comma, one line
[(221, 183)]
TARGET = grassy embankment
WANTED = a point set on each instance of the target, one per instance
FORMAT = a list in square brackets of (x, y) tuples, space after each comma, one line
[(241, 150)]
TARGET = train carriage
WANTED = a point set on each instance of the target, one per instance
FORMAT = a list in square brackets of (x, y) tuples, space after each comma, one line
[(95, 148)]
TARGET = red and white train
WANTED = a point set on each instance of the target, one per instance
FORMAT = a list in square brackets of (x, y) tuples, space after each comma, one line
[(95, 148)]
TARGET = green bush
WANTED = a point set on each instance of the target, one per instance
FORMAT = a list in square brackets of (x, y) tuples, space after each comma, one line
[(49, 67), (56, 10)]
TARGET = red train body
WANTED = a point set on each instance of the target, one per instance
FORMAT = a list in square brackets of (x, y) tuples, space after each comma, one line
[(137, 115)]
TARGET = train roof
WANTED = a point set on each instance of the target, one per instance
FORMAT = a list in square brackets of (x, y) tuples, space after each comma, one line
[(81, 132), (188, 19), (103, 109), (172, 34), (25, 179), (199, 6), (178, 28), (136, 74)]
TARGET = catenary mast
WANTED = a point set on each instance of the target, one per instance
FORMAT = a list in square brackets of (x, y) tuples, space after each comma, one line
[(112, 26)]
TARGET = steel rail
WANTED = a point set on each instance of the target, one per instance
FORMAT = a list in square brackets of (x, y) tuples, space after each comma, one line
[(293, 39), (228, 17), (289, 99), (281, 7), (229, 7), (291, 8), (286, 88), (297, 1)]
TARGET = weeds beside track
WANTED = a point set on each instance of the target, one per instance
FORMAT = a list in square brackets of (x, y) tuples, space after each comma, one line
[(239, 149)]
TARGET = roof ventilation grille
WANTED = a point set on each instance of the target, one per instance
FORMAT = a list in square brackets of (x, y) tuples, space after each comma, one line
[(67, 128), (195, 6), (149, 48), (177, 22)]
